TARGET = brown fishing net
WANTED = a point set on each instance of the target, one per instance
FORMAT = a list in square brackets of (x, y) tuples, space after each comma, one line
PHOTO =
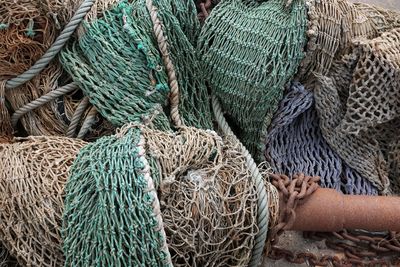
[(33, 172), (208, 200), (18, 52)]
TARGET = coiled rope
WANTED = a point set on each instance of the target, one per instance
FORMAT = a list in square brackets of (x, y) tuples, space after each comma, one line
[(54, 49), (41, 101)]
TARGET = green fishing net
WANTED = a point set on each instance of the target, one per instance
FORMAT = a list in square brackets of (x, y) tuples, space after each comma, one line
[(118, 65), (250, 50), (112, 214)]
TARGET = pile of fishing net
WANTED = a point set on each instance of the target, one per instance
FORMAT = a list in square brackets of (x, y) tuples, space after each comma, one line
[(208, 201), (250, 50), (33, 172), (124, 65), (295, 144)]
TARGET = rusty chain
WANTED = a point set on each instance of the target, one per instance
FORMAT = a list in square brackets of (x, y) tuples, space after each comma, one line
[(360, 248)]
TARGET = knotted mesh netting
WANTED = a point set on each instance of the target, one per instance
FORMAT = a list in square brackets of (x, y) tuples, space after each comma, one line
[(333, 25), (207, 197), (118, 65), (33, 172), (250, 50), (295, 144)]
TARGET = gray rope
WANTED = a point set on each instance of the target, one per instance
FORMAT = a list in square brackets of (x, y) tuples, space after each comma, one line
[(77, 117), (41, 101), (263, 200), (54, 49), (88, 122)]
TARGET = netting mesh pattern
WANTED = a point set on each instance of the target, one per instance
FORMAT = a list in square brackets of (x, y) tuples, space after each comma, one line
[(374, 95), (33, 172), (295, 144), (361, 153), (208, 199), (118, 65), (250, 50), (333, 25), (109, 218)]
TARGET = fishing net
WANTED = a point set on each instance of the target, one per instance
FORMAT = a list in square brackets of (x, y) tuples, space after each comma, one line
[(33, 172), (374, 95), (119, 67), (295, 144), (383, 19), (333, 25), (5, 258), (361, 153), (250, 50), (207, 197)]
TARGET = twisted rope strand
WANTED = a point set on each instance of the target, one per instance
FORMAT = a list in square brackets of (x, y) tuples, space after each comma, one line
[(162, 44), (77, 117), (41, 101), (88, 122), (263, 212), (54, 49)]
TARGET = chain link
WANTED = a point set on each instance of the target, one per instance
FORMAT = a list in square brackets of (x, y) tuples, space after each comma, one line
[(360, 248)]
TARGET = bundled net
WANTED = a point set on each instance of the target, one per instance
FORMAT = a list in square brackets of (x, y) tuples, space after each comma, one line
[(295, 144), (365, 106), (359, 152), (207, 198), (33, 172), (118, 65), (6, 260), (250, 51), (333, 24), (112, 215)]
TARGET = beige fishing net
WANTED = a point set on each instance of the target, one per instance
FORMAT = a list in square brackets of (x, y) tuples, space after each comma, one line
[(208, 200), (333, 24), (33, 172)]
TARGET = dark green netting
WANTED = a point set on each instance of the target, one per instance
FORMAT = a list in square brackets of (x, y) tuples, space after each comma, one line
[(118, 65), (112, 215), (250, 50)]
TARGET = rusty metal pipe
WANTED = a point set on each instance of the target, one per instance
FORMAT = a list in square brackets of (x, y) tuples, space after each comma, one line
[(327, 210)]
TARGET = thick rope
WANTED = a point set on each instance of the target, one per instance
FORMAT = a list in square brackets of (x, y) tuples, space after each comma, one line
[(54, 49), (88, 122), (41, 101), (263, 205), (77, 117), (155, 203), (162, 44)]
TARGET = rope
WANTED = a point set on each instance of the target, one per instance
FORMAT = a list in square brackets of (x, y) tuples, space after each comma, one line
[(155, 203), (77, 117), (162, 44), (263, 212), (41, 101), (54, 49), (88, 122)]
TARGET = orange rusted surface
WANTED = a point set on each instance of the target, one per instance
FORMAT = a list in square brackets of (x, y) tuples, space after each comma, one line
[(327, 210)]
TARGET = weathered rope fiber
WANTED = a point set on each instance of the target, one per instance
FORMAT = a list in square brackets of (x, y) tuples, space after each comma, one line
[(250, 50), (54, 49), (262, 194)]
